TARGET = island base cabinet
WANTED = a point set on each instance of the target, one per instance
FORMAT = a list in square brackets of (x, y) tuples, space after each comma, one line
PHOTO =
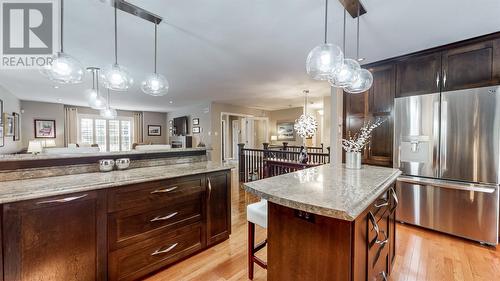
[(218, 207), (56, 238), (306, 246)]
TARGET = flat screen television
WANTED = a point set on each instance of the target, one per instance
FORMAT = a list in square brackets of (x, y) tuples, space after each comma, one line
[(181, 126)]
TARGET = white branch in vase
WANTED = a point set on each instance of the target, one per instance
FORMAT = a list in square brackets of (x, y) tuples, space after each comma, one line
[(362, 138)]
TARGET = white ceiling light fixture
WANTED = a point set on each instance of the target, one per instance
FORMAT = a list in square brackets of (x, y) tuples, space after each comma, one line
[(306, 126), (364, 78), (108, 112), (346, 74), (64, 68), (155, 84), (115, 76), (324, 59), (94, 96)]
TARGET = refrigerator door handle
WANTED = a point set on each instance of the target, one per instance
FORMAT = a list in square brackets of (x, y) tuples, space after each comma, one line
[(444, 136), (437, 80), (452, 185)]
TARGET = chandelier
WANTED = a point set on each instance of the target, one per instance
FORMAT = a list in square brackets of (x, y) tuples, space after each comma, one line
[(306, 126)]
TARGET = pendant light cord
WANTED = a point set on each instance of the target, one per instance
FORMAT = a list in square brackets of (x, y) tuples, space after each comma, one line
[(305, 101), (116, 36), (93, 79), (156, 42), (97, 81), (107, 100), (62, 26), (357, 42), (343, 35), (326, 20)]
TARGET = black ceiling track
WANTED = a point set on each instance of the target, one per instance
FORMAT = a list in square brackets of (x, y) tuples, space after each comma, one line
[(136, 11)]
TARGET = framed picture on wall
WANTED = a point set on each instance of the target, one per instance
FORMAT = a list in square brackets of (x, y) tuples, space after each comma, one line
[(196, 121), (196, 130), (45, 128), (154, 130), (285, 131), (17, 126), (8, 125)]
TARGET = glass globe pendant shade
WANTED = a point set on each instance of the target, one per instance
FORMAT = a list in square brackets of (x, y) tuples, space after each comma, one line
[(155, 85), (117, 78), (363, 82), (306, 126), (108, 113), (346, 74), (98, 102), (323, 60), (64, 69)]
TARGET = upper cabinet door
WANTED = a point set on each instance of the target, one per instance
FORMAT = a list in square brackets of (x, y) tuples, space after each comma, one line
[(471, 66), (419, 75), (381, 94)]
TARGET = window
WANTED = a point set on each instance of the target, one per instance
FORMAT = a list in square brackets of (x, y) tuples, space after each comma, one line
[(110, 135)]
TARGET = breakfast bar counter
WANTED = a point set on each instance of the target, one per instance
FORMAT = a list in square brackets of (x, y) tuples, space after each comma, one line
[(330, 215)]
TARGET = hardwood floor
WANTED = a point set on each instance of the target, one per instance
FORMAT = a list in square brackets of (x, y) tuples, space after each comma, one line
[(421, 254)]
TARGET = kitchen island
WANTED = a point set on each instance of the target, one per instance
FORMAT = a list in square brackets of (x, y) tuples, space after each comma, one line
[(330, 223), (119, 225)]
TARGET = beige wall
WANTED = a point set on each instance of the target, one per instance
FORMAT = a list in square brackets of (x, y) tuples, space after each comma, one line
[(201, 111), (32, 110), (10, 104), (155, 118), (284, 115), (215, 112)]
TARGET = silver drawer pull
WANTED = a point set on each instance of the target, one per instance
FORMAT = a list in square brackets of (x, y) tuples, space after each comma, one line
[(158, 218), (160, 251), (62, 200), (164, 190), (382, 242), (384, 275), (395, 197), (386, 203)]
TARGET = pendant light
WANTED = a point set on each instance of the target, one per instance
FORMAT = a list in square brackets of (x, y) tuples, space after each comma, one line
[(115, 76), (108, 112), (64, 69), (346, 74), (306, 126), (364, 78), (94, 97), (325, 58), (155, 84)]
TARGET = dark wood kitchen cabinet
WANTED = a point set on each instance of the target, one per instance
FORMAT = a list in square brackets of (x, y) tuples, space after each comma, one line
[(121, 233), (378, 102), (419, 75), (471, 66), (56, 238), (218, 207)]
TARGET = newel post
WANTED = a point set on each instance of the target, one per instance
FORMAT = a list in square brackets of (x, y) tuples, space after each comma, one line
[(328, 148), (241, 161), (285, 146)]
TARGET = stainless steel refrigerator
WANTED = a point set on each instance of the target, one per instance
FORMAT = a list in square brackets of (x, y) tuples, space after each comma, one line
[(448, 147)]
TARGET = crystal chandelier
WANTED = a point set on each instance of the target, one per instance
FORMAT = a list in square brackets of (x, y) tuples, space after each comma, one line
[(94, 97), (306, 126), (155, 84), (115, 76), (64, 69), (324, 59)]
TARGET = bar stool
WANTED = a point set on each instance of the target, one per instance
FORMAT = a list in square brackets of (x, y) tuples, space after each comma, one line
[(256, 214)]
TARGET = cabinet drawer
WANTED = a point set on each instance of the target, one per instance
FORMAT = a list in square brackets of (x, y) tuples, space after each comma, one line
[(153, 194), (137, 260), (133, 225)]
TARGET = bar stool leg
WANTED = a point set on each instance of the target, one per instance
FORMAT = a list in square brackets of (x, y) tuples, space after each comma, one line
[(251, 245)]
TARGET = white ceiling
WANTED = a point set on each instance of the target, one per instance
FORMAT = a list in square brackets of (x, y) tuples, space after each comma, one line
[(244, 52)]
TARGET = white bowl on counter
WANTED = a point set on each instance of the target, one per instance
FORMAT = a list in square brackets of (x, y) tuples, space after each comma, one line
[(106, 165), (122, 163)]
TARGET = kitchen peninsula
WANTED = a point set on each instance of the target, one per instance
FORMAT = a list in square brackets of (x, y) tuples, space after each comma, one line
[(119, 225), (330, 223)]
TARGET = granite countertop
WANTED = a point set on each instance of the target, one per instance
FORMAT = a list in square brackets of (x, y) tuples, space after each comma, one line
[(328, 190), (27, 156), (18, 190)]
